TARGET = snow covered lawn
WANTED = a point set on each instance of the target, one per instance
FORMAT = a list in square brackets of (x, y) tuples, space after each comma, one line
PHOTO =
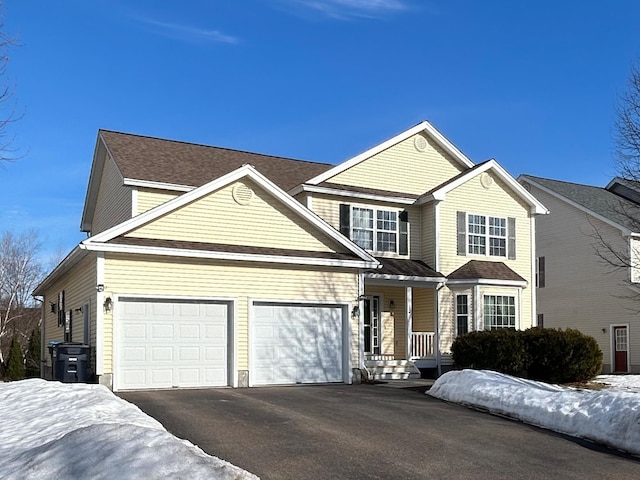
[(50, 430), (610, 416)]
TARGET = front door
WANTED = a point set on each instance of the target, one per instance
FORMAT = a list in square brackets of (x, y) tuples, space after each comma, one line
[(620, 349), (372, 325)]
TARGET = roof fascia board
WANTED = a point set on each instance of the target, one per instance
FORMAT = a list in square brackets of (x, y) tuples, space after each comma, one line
[(69, 261), (132, 182), (487, 281), (95, 177), (404, 278), (425, 127), (213, 255), (537, 208), (624, 230), (622, 181), (351, 194), (244, 171)]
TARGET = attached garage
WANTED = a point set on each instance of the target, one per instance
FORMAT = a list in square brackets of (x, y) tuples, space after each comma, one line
[(171, 343), (298, 343)]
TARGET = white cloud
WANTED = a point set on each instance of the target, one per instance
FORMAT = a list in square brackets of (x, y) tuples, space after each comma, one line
[(345, 9), (188, 33)]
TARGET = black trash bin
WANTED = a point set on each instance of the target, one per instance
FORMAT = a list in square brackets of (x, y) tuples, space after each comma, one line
[(71, 362)]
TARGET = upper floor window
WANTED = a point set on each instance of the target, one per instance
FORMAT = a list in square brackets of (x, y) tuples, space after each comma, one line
[(377, 230), (486, 235)]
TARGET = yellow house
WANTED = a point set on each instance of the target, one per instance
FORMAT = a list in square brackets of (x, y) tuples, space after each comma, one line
[(206, 266)]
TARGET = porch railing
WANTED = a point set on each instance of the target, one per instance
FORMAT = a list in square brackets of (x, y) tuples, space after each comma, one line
[(422, 344)]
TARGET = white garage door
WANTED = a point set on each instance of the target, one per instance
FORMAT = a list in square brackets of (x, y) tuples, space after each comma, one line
[(165, 344), (296, 344)]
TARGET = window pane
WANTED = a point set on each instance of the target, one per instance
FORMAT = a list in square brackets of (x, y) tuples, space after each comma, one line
[(387, 220), (477, 244), (477, 224), (362, 218), (386, 242), (363, 238)]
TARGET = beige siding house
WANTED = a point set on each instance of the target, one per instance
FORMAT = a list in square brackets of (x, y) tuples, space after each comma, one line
[(578, 287), (205, 266)]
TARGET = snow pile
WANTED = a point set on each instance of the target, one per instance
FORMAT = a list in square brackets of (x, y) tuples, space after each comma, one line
[(51, 430), (628, 383), (608, 417)]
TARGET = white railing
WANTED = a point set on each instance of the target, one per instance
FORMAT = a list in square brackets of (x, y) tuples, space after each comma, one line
[(422, 344)]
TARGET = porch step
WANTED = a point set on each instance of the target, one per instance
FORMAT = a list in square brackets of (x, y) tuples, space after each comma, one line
[(392, 369)]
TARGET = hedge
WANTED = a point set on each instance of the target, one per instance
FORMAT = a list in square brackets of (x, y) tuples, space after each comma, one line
[(545, 354)]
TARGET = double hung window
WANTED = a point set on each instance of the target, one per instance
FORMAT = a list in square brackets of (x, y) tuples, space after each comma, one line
[(487, 235), (462, 314)]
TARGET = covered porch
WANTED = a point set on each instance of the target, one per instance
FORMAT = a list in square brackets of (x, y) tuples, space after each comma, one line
[(399, 312)]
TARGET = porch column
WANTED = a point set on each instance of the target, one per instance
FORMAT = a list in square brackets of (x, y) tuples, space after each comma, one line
[(409, 315)]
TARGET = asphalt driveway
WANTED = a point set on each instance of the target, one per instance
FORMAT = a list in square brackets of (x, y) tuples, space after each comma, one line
[(370, 432)]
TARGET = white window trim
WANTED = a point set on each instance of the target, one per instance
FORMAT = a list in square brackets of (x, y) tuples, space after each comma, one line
[(375, 229), (487, 236)]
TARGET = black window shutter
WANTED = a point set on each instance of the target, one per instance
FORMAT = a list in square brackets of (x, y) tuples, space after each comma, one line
[(541, 273), (511, 228), (345, 225), (462, 233), (403, 247)]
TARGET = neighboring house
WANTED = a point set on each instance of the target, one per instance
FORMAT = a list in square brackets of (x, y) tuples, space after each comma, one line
[(209, 267), (578, 285)]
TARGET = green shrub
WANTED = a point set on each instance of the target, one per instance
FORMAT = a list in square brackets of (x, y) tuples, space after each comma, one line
[(561, 356), (15, 362), (500, 350), (548, 355), (32, 356)]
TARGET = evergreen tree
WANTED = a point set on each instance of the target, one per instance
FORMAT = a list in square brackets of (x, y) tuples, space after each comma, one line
[(15, 362), (32, 356)]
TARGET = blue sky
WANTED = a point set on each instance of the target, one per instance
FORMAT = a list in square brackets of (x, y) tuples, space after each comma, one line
[(531, 84)]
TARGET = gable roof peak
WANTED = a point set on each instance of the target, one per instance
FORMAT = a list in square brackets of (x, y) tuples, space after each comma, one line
[(422, 127)]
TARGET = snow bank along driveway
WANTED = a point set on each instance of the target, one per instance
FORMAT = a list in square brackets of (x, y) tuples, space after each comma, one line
[(610, 417), (50, 430)]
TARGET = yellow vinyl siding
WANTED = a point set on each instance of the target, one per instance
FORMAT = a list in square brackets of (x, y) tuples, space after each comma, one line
[(79, 285), (113, 205), (428, 234), (423, 310), (328, 208), (499, 201), (218, 218), (581, 290), (149, 198), (402, 168), (171, 277)]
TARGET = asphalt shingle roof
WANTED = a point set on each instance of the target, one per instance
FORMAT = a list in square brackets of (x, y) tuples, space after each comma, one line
[(597, 199), (405, 267), (180, 163), (476, 269)]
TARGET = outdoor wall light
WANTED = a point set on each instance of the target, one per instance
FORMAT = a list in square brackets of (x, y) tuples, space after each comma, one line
[(356, 311), (604, 330), (100, 287), (52, 306), (78, 310), (108, 304), (392, 305)]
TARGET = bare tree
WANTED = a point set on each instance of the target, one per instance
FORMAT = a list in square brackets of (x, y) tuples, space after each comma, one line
[(7, 105), (20, 272), (625, 252)]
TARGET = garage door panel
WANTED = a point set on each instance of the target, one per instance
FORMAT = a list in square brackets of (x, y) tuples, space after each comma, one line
[(161, 354), (166, 344), (296, 344)]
